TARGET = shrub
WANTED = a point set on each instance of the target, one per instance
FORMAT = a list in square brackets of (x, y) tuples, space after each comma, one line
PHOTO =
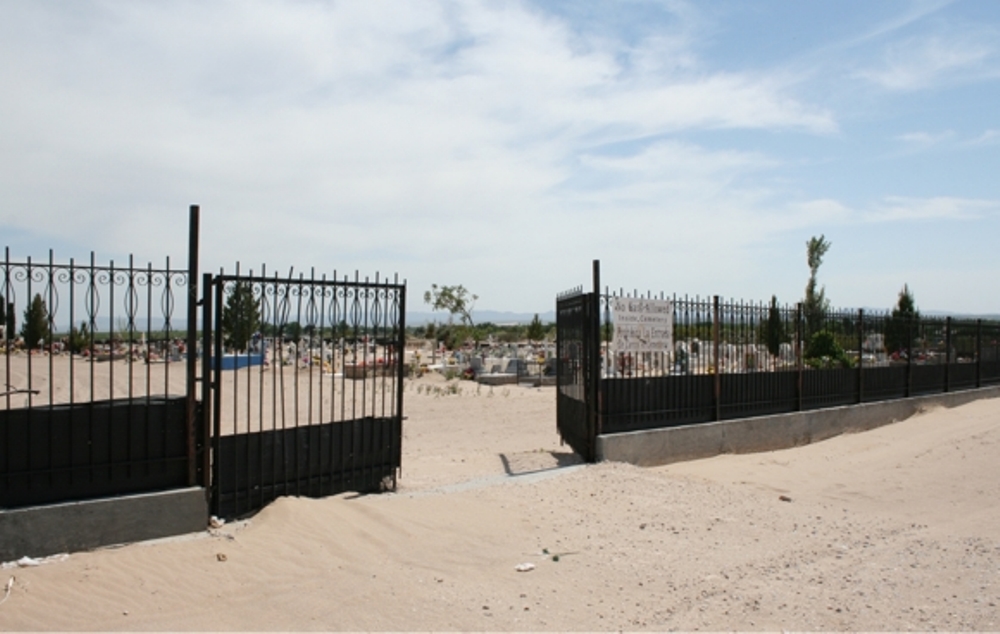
[(823, 351)]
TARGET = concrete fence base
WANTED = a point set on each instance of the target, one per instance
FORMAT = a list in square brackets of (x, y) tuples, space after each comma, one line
[(41, 531), (654, 447)]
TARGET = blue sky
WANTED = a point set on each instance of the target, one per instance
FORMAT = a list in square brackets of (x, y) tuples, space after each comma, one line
[(691, 147)]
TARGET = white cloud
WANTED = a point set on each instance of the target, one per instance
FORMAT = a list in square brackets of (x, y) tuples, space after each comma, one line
[(903, 209), (918, 63), (381, 119), (988, 137), (926, 139)]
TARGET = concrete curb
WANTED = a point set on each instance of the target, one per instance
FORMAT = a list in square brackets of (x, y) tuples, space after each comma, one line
[(41, 531), (654, 447)]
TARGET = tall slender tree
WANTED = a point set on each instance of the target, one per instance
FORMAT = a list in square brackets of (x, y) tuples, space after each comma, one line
[(535, 331), (241, 315), (35, 328), (815, 305), (774, 328), (902, 323)]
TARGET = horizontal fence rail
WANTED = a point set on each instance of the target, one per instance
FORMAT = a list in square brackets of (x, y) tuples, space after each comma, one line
[(308, 386), (94, 395)]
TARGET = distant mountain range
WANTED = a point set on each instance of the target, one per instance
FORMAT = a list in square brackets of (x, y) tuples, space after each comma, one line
[(499, 317)]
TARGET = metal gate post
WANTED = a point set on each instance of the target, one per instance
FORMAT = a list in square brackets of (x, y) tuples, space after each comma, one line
[(207, 385), (947, 354), (909, 355), (716, 336), (979, 353), (397, 440), (191, 360), (799, 355), (861, 355), (214, 353), (594, 401)]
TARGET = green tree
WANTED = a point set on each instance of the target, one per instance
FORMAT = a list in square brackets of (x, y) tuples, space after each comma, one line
[(454, 299), (35, 328), (79, 340), (774, 328), (815, 304), (293, 330), (240, 316), (902, 322), (535, 331)]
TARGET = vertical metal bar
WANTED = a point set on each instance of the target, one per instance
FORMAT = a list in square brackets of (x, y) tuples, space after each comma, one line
[(31, 384), (50, 325), (717, 379), (168, 311), (593, 395), (311, 319), (861, 354), (592, 372), (28, 299), (331, 417), (979, 353), (397, 438), (215, 350), (130, 323), (262, 311), (194, 217), (92, 299), (342, 427), (130, 309), (909, 355), (799, 352), (295, 385), (7, 305), (72, 352), (245, 356), (947, 354), (147, 423), (278, 367), (320, 454), (209, 418), (8, 309)]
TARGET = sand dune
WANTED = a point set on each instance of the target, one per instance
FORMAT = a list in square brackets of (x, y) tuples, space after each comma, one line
[(897, 528)]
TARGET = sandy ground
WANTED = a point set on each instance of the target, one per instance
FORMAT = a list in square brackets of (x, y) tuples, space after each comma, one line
[(893, 529)]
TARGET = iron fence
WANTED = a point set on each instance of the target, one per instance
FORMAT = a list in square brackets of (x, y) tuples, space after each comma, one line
[(727, 359), (95, 394), (300, 387), (733, 359)]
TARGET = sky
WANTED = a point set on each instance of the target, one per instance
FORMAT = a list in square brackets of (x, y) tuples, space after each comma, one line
[(691, 147)]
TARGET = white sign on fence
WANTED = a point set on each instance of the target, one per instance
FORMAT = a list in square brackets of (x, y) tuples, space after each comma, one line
[(642, 325)]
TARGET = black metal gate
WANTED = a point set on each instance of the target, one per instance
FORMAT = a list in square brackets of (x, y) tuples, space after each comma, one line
[(578, 371), (306, 383), (97, 397)]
